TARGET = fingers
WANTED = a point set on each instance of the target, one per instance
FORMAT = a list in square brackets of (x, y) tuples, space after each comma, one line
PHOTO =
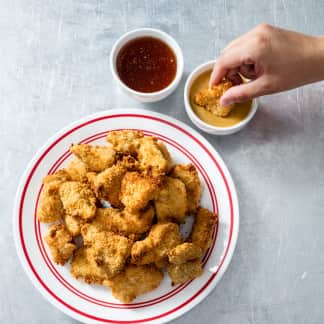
[(234, 77), (244, 92), (223, 65), (248, 71)]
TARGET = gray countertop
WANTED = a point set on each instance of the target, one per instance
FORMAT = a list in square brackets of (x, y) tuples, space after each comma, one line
[(54, 69)]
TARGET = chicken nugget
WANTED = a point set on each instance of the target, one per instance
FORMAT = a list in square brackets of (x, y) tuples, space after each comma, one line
[(203, 228), (134, 281), (155, 247), (106, 184), (165, 153), (162, 264), (57, 178), (137, 190), (109, 250), (210, 99), (74, 224), (124, 222), (59, 241), (184, 252), (50, 208), (180, 273), (152, 156), (188, 174), (171, 201), (97, 158), (83, 266), (78, 199), (77, 170), (125, 141)]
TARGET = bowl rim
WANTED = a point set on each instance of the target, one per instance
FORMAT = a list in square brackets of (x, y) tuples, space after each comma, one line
[(155, 33), (199, 122)]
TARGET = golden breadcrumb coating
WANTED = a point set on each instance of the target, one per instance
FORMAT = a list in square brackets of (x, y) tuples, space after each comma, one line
[(188, 174), (97, 158), (203, 228), (74, 224), (180, 273), (166, 154), (50, 208), (137, 190), (83, 266), (134, 281), (59, 241), (171, 201), (57, 178), (210, 99), (77, 170), (125, 141), (160, 240), (123, 222), (106, 184), (161, 264), (152, 156), (109, 250), (184, 252), (78, 199)]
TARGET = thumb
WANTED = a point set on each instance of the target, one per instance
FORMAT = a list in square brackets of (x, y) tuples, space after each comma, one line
[(243, 92)]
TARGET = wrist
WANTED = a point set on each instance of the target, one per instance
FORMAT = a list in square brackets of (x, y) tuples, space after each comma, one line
[(317, 58)]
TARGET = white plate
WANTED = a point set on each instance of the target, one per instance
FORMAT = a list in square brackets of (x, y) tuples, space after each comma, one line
[(95, 304)]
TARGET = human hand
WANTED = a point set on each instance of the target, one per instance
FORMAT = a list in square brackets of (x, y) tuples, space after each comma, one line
[(274, 59)]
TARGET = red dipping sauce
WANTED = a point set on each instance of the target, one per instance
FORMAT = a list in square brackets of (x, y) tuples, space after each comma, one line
[(146, 64)]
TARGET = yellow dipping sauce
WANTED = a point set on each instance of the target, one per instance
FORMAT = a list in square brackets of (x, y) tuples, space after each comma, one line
[(239, 112)]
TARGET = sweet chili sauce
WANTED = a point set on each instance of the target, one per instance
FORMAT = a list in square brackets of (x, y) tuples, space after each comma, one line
[(146, 64)]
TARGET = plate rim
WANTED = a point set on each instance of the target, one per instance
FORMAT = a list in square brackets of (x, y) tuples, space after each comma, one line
[(109, 112)]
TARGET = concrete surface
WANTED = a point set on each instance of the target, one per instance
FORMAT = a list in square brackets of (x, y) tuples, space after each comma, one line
[(54, 69)]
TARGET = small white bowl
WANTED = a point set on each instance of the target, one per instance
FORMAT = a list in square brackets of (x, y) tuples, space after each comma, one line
[(201, 124), (148, 32)]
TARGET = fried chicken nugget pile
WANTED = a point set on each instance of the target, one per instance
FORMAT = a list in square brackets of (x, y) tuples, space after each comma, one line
[(127, 245)]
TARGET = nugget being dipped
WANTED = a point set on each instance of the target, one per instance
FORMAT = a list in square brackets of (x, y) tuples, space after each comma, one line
[(210, 99)]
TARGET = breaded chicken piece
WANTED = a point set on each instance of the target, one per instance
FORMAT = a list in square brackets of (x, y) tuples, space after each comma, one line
[(152, 156), (203, 228), (180, 273), (137, 190), (125, 141), (77, 170), (84, 266), (162, 264), (50, 208), (60, 243), (97, 158), (123, 222), (166, 154), (155, 247), (134, 281), (57, 178), (108, 249), (74, 224), (210, 99), (171, 201), (106, 184), (78, 199), (188, 174), (184, 252)]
